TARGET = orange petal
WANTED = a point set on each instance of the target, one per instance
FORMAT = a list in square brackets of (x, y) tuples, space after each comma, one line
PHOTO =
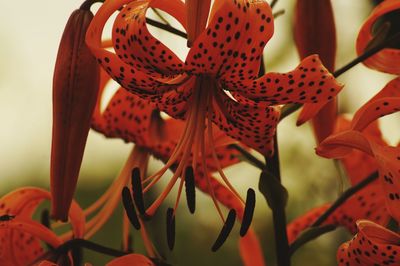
[(19, 241), (340, 144), (135, 46), (387, 60), (75, 86), (372, 245), (388, 159), (197, 15), (234, 39), (309, 82), (250, 250), (131, 259), (24, 201), (386, 102), (127, 75)]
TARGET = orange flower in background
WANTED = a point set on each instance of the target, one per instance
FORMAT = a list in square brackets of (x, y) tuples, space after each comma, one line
[(381, 21), (387, 101), (133, 119), (20, 236), (368, 203), (372, 245), (75, 86)]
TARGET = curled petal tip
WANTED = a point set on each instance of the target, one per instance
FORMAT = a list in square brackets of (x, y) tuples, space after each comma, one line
[(387, 59), (75, 89)]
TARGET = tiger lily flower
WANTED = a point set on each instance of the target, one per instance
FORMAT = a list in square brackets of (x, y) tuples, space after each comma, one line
[(315, 33), (370, 201), (20, 235), (381, 23), (133, 119), (75, 86), (224, 57), (372, 245), (387, 101)]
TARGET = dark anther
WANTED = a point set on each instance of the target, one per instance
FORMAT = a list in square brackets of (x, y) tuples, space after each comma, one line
[(225, 231), (130, 208), (170, 228), (137, 190), (248, 211), (6, 217), (190, 189)]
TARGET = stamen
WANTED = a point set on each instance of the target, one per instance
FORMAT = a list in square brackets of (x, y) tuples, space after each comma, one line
[(148, 245), (137, 191), (225, 231), (248, 211), (190, 189), (130, 208), (170, 228)]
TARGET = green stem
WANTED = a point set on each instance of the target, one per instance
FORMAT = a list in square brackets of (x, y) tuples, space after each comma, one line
[(317, 229), (344, 197), (80, 243), (248, 156), (307, 236), (166, 27), (278, 212)]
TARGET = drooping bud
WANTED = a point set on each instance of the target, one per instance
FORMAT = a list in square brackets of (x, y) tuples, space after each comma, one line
[(196, 18), (75, 89), (315, 33)]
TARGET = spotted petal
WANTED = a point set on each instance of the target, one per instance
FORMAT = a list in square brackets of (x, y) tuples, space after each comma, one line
[(134, 44), (310, 82), (128, 76), (23, 202), (372, 245), (386, 60), (233, 41), (386, 102), (19, 241), (254, 126)]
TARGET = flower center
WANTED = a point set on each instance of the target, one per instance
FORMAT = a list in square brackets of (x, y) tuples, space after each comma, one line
[(195, 147)]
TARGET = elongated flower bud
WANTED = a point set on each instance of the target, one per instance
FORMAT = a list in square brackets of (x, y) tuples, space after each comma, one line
[(196, 17), (75, 89), (315, 33)]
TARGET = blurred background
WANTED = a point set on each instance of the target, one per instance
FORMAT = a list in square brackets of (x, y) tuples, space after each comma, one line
[(30, 32)]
